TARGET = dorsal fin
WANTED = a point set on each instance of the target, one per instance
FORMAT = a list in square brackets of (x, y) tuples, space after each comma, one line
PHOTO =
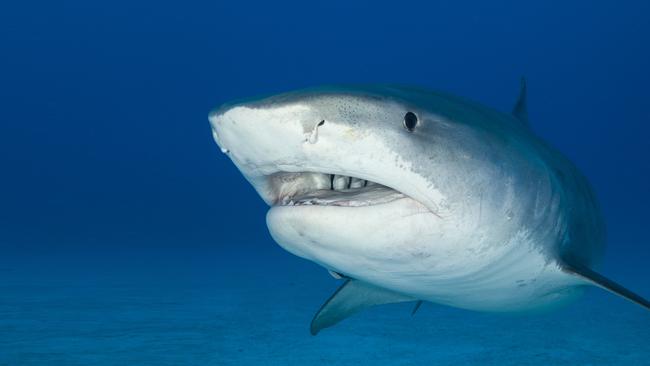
[(520, 111), (606, 284), (352, 297)]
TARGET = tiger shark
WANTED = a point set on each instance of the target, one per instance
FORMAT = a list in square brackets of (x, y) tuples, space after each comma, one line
[(413, 195)]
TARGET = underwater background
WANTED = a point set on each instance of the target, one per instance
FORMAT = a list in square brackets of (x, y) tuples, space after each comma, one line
[(128, 238)]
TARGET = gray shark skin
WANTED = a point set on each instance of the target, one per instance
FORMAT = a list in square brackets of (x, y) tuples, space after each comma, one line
[(414, 195)]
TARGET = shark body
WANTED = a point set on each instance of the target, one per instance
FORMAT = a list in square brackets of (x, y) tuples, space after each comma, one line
[(414, 195)]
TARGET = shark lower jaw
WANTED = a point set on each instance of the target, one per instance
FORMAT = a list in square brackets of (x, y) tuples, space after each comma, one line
[(326, 218), (350, 230)]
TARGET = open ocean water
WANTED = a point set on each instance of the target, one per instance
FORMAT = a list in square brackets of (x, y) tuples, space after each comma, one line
[(127, 238)]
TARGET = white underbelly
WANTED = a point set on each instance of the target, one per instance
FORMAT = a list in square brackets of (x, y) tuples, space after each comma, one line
[(400, 247)]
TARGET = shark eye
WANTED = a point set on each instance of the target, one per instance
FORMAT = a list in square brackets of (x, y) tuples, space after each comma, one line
[(410, 121)]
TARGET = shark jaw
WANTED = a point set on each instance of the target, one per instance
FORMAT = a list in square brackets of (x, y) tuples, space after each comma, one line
[(319, 216), (322, 189)]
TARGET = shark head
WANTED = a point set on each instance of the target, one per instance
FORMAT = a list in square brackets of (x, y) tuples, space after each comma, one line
[(314, 140), (379, 183), (336, 164), (427, 195)]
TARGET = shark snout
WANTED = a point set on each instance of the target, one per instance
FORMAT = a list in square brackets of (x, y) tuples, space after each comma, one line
[(215, 120)]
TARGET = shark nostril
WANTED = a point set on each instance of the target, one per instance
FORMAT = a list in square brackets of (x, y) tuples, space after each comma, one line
[(312, 137)]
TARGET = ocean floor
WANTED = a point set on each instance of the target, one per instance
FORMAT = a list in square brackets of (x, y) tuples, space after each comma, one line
[(253, 307)]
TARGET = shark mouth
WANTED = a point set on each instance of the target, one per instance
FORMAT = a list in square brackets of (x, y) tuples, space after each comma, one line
[(323, 189)]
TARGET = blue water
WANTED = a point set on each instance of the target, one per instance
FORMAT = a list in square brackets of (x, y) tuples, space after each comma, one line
[(126, 237)]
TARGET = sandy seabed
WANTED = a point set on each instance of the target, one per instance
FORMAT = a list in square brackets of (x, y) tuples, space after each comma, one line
[(243, 308)]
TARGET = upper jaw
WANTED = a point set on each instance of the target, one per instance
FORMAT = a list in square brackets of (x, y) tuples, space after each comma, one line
[(271, 151)]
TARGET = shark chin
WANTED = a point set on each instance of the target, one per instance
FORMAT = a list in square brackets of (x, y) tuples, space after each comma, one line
[(388, 245), (410, 195), (381, 232)]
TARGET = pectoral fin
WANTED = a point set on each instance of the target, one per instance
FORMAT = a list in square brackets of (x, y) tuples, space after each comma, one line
[(416, 307), (352, 297), (607, 284)]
